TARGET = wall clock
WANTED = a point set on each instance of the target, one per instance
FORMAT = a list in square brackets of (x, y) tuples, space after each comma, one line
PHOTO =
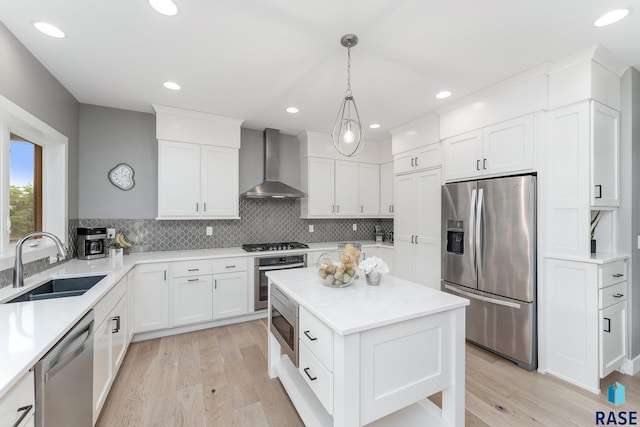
[(122, 176)]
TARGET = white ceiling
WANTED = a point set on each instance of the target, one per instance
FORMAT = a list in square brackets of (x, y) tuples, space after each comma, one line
[(253, 58)]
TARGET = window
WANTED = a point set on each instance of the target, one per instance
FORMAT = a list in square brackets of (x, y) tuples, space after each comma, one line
[(25, 187), (33, 183)]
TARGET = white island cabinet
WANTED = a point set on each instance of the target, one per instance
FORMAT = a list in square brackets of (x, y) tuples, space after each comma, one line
[(371, 355)]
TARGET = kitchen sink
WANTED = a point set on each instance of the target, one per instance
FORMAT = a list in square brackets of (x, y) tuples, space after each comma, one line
[(60, 288)]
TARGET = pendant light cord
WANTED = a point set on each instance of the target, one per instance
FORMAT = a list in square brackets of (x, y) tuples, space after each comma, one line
[(349, 71)]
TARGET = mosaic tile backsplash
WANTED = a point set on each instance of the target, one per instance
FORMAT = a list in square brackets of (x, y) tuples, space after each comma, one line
[(262, 221)]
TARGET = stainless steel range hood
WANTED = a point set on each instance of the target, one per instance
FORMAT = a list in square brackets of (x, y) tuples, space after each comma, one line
[(271, 187)]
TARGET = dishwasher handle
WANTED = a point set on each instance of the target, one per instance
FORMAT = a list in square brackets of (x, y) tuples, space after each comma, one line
[(59, 364)]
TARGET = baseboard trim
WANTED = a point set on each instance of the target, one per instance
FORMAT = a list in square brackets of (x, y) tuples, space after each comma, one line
[(630, 366), (198, 326)]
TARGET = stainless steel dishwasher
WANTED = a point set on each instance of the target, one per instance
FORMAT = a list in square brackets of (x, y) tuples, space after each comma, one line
[(64, 380)]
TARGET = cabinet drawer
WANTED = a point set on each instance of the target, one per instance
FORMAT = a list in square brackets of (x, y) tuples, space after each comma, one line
[(106, 304), (319, 379), (317, 336), (191, 268), (21, 395), (229, 265), (612, 295), (610, 274)]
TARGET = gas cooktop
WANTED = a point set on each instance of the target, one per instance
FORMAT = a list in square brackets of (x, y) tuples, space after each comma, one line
[(283, 246)]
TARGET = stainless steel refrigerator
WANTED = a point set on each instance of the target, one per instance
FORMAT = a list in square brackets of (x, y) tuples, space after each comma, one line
[(489, 257)]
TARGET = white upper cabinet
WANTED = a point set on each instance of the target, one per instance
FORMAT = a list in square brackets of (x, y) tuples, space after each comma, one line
[(320, 186), (369, 189), (506, 147), (347, 187), (197, 164), (386, 190), (421, 158), (605, 147)]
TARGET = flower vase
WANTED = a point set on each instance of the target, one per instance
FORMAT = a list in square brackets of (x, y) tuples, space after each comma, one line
[(116, 253), (373, 278)]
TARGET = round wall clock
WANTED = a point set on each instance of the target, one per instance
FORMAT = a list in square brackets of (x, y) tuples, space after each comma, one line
[(122, 176)]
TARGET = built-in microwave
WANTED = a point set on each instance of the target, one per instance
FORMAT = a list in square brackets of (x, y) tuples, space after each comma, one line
[(284, 322)]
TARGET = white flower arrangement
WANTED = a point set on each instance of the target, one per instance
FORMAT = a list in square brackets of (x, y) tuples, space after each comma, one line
[(374, 264)]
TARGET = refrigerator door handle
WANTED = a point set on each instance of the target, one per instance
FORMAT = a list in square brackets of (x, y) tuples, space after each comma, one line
[(472, 215), (482, 298), (479, 233)]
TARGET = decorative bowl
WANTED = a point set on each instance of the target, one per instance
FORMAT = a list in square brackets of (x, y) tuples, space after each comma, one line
[(336, 269)]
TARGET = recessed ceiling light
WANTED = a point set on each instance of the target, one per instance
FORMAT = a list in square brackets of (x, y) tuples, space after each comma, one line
[(444, 94), (374, 125), (50, 30), (611, 17), (292, 110), (171, 85), (165, 7)]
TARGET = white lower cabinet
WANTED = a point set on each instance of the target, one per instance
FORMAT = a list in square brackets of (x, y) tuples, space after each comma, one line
[(109, 342), (152, 297), (17, 406), (613, 337), (386, 254), (191, 300), (131, 305), (230, 294)]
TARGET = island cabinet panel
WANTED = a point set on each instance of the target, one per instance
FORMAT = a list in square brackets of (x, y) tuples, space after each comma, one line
[(402, 363), (317, 336), (317, 377)]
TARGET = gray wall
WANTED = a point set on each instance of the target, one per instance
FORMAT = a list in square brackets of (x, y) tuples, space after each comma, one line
[(109, 136), (25, 82), (629, 219)]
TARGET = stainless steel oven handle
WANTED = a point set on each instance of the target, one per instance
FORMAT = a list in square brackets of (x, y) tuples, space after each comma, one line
[(62, 363), (282, 266), (481, 298)]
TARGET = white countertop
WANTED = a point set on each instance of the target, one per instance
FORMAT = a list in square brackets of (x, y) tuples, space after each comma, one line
[(31, 329), (360, 307)]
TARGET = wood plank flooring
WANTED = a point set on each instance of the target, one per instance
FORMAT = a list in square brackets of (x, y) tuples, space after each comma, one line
[(170, 382)]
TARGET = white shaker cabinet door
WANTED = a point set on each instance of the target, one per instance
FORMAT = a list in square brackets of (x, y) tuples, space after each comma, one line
[(369, 189), (605, 148), (192, 299), (428, 202), (463, 156), (347, 188), (220, 189), (613, 337), (386, 189), (178, 179), (404, 231), (230, 294), (152, 297), (508, 146), (321, 181)]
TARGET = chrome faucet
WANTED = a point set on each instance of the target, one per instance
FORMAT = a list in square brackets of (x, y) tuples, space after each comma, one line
[(18, 273)]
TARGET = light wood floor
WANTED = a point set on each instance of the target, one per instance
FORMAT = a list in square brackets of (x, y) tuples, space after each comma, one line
[(169, 382)]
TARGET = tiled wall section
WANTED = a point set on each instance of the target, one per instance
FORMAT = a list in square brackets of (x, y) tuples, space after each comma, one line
[(262, 221)]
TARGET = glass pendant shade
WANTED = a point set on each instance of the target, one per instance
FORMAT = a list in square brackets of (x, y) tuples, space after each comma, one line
[(347, 135)]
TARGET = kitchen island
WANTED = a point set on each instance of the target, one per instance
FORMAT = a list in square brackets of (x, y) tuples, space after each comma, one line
[(370, 355)]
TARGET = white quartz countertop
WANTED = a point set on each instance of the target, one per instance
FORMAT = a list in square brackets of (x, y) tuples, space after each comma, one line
[(360, 307), (31, 329)]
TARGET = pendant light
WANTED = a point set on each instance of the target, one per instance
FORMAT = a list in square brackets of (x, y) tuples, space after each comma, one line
[(347, 134)]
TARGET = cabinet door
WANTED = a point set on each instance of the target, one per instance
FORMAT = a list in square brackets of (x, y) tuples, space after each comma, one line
[(321, 187), (508, 146), (191, 300), (386, 189), (178, 179), (347, 188), (605, 160), (463, 156), (152, 297), (369, 189), (131, 306), (405, 162), (386, 254), (427, 219), (613, 338), (220, 177), (428, 157), (404, 227), (118, 319), (230, 294), (102, 366)]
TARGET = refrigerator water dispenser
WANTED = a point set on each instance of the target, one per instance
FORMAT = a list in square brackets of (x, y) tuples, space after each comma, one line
[(455, 237)]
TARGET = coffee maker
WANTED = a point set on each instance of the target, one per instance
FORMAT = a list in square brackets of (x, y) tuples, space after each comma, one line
[(92, 242)]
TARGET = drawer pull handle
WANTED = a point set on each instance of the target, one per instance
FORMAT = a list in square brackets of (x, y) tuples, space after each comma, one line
[(306, 371), (193, 269), (311, 337), (618, 295), (230, 266), (192, 280), (618, 275), (25, 411), (117, 328), (599, 188), (608, 329), (412, 160), (478, 164)]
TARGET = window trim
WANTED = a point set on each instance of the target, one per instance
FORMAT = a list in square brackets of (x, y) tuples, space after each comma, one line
[(55, 153)]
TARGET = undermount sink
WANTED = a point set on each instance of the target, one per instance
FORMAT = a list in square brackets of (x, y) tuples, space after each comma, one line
[(60, 288)]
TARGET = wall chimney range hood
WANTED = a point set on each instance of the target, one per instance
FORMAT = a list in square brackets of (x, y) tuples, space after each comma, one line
[(271, 187)]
